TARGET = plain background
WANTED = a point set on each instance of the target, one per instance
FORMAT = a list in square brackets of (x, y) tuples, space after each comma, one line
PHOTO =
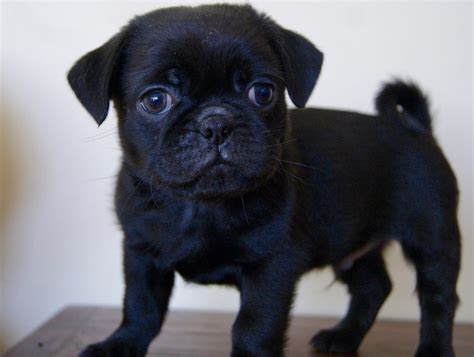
[(60, 242)]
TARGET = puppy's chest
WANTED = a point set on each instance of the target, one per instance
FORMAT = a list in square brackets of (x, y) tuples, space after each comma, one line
[(214, 227), (201, 245), (191, 231), (210, 245)]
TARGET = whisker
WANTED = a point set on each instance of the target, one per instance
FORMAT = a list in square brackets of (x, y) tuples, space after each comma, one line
[(101, 137), (281, 167), (292, 175), (152, 193), (106, 132), (136, 188), (299, 164), (223, 200), (245, 211), (281, 143), (101, 178), (101, 133)]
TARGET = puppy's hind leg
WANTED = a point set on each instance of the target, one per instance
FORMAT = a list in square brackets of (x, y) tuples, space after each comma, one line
[(369, 285), (436, 257)]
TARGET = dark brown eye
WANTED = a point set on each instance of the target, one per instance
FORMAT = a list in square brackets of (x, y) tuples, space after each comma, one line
[(261, 94), (156, 101)]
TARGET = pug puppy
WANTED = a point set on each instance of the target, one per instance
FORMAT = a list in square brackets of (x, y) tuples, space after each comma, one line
[(223, 185)]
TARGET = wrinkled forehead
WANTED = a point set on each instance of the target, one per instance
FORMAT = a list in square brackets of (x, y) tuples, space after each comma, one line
[(200, 50)]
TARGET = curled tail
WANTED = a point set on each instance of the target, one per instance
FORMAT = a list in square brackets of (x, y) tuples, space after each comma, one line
[(406, 103)]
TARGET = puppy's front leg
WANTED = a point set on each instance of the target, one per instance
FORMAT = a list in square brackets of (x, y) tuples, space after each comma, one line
[(147, 293), (266, 297)]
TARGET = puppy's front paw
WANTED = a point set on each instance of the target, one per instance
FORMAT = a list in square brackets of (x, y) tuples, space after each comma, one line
[(434, 350), (112, 348), (336, 341)]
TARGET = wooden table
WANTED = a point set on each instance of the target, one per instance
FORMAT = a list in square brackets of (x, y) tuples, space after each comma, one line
[(206, 334)]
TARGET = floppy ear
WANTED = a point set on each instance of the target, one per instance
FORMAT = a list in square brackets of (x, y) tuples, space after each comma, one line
[(302, 63), (91, 77)]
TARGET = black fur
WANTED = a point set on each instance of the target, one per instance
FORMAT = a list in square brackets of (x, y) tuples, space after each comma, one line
[(224, 191)]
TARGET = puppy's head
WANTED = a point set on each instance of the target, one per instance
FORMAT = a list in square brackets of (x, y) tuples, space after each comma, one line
[(199, 94)]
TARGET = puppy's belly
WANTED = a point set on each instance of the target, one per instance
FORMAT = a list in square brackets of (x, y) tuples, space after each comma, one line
[(202, 272)]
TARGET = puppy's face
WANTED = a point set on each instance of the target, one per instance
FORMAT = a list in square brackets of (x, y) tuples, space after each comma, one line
[(200, 95)]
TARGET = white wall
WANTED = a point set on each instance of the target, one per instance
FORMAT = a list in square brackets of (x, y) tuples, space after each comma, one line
[(61, 244)]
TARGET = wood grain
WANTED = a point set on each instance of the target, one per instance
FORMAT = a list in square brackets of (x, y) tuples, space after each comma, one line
[(206, 334)]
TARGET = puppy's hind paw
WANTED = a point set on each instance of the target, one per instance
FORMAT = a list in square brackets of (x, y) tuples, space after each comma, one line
[(336, 341)]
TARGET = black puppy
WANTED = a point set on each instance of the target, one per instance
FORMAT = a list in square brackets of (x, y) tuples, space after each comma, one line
[(224, 186)]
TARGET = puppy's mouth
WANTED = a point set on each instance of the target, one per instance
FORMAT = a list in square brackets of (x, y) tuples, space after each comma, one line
[(217, 176), (214, 164)]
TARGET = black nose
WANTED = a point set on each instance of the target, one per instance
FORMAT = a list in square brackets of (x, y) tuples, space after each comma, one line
[(216, 129)]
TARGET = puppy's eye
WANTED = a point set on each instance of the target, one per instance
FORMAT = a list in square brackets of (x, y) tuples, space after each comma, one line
[(156, 101), (261, 94)]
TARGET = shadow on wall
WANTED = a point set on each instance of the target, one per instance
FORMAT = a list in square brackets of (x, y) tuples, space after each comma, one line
[(12, 174), (9, 165)]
